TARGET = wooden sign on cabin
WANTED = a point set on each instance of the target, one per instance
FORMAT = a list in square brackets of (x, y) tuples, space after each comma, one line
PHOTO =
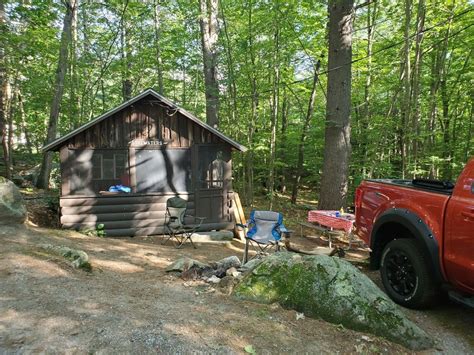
[(157, 149)]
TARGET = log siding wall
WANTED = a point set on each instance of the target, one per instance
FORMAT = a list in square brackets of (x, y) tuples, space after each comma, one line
[(127, 215)]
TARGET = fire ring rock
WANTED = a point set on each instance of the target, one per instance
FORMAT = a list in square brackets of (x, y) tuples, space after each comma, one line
[(12, 207), (331, 289)]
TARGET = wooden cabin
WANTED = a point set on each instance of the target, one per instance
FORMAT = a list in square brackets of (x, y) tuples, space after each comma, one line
[(157, 149)]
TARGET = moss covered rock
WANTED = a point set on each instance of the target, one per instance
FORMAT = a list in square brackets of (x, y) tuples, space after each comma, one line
[(331, 289), (12, 207), (77, 258)]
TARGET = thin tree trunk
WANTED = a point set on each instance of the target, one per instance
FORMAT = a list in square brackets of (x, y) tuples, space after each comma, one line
[(254, 109), (274, 115), (469, 131), (420, 21), (283, 141), (304, 134), (337, 145), (447, 163), (4, 94), (366, 117), (232, 87), (45, 171), (126, 60), (159, 60), (24, 126), (11, 115), (445, 120), (405, 106), (74, 97), (209, 36)]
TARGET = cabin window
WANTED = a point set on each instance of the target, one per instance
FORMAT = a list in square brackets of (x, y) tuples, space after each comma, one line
[(108, 166), (97, 166)]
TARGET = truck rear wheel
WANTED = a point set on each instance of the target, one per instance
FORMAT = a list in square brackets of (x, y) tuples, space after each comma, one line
[(406, 274)]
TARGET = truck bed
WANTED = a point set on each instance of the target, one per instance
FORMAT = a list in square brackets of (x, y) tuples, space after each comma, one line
[(435, 186)]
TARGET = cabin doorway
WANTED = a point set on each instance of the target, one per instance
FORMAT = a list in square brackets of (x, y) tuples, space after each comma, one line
[(212, 181)]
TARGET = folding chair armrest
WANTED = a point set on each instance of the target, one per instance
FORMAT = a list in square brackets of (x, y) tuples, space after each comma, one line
[(240, 225), (198, 220), (285, 231)]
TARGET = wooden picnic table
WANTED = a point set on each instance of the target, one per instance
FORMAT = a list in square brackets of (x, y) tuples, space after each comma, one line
[(329, 221)]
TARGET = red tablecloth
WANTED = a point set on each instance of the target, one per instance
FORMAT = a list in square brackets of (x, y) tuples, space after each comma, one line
[(330, 219)]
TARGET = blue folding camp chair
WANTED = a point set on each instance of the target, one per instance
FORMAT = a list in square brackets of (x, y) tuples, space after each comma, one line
[(263, 231)]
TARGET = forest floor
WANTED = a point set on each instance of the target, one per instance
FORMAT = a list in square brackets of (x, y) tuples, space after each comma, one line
[(128, 303)]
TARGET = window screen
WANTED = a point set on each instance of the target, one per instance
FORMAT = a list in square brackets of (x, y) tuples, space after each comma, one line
[(93, 170), (120, 165), (97, 166), (108, 168), (213, 162), (163, 170)]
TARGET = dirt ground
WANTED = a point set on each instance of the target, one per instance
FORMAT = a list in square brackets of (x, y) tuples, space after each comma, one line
[(128, 303)]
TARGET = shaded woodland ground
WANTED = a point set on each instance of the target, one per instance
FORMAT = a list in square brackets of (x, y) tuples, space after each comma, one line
[(128, 304)]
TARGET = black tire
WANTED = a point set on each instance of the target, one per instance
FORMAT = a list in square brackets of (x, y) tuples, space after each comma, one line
[(407, 275)]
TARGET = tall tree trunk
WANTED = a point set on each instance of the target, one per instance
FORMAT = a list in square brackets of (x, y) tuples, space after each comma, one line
[(233, 115), (232, 87), (445, 120), (274, 115), (45, 171), (254, 109), (159, 60), (431, 123), (337, 145), (11, 115), (126, 60), (405, 105), (74, 85), (184, 83), (304, 134), (447, 163), (470, 130), (285, 108), (4, 93), (209, 36), (420, 25), (366, 117), (23, 123)]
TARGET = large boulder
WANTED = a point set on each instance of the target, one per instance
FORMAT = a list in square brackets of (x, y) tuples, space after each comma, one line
[(12, 207), (332, 289)]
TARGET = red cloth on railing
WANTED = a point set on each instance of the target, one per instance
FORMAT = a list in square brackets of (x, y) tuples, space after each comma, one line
[(329, 219)]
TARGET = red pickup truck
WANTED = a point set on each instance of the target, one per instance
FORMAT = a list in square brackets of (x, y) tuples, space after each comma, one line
[(421, 236)]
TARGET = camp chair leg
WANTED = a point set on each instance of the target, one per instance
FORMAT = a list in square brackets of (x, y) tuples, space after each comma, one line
[(186, 237), (246, 251), (181, 242), (192, 243), (165, 240)]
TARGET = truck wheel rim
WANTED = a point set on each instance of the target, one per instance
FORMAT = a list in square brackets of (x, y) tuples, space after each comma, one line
[(401, 274)]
